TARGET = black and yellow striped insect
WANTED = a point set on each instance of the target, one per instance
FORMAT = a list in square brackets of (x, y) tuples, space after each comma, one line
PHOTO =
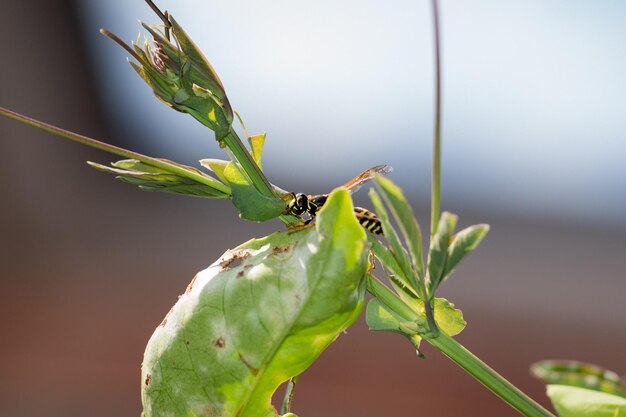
[(300, 204)]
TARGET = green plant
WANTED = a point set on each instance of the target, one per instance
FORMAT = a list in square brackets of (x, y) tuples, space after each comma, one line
[(264, 311)]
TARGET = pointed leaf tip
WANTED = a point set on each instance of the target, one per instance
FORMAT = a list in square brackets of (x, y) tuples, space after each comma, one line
[(463, 243)]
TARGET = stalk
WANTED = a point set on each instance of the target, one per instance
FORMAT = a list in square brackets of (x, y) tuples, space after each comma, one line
[(436, 175), (248, 164), (488, 377)]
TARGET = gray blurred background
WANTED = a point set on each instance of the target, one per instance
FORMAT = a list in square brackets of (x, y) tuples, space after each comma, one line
[(534, 144)]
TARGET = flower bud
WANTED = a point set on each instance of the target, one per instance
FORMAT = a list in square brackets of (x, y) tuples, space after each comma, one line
[(181, 77)]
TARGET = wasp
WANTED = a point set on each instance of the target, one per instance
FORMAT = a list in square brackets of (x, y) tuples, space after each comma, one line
[(300, 204)]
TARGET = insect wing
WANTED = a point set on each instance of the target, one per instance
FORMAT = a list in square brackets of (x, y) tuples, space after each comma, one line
[(357, 182)]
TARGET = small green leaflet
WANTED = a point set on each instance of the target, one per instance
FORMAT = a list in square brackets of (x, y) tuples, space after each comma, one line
[(258, 316), (463, 243), (438, 253), (256, 144)]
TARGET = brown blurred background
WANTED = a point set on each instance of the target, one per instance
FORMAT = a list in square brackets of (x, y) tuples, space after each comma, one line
[(89, 266)]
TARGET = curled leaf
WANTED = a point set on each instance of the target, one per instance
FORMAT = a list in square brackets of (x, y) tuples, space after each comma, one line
[(258, 316)]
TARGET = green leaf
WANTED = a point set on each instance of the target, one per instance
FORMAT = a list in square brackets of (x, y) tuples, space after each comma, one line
[(448, 318), (396, 248), (256, 144), (217, 166), (463, 243), (394, 272), (403, 214), (252, 205), (579, 374), (381, 318), (580, 402), (437, 255), (258, 316)]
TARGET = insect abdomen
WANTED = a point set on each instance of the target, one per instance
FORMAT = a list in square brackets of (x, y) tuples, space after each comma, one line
[(368, 220)]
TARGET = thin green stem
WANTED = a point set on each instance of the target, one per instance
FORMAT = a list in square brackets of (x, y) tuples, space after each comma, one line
[(159, 163), (430, 318), (436, 176), (248, 164), (391, 300), (488, 377), (461, 356)]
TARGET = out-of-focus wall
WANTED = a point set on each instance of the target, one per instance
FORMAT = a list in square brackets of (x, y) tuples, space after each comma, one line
[(89, 266)]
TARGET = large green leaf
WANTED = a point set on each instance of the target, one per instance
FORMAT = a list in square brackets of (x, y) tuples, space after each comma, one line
[(258, 316), (581, 402)]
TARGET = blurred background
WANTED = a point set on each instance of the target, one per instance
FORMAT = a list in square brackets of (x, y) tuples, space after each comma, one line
[(534, 135)]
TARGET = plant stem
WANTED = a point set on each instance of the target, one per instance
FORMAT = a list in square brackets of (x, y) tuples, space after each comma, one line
[(248, 164), (391, 300), (159, 163), (461, 356), (488, 377), (436, 176)]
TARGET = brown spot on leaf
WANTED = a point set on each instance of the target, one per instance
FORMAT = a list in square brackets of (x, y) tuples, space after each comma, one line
[(219, 342), (252, 369), (165, 318), (239, 274), (190, 286), (233, 261), (284, 249), (147, 381)]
